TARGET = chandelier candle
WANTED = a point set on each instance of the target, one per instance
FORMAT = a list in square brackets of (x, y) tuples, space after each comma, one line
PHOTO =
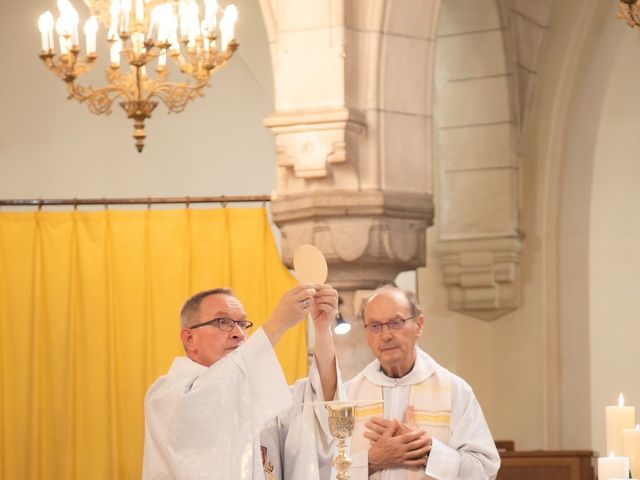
[(141, 34)]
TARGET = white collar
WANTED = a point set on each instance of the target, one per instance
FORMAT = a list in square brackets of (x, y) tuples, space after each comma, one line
[(424, 367), (184, 365)]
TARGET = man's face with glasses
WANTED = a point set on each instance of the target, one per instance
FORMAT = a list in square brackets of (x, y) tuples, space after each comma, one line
[(392, 331), (219, 328)]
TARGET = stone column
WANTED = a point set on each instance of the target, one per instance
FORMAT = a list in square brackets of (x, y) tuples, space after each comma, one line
[(353, 122), (478, 137)]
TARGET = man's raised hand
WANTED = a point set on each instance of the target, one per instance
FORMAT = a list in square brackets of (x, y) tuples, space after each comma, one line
[(293, 307)]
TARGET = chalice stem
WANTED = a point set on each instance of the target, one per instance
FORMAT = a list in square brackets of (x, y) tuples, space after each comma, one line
[(342, 462)]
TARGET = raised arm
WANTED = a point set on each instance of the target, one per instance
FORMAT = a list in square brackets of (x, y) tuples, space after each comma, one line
[(324, 309), (289, 311)]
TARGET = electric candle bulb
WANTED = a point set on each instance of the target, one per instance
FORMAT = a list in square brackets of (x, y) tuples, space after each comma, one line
[(164, 23), (61, 30), (45, 25), (114, 10), (63, 7), (90, 30), (140, 11), (126, 10), (183, 13), (205, 35), (227, 25), (114, 52), (232, 12), (173, 32), (224, 33), (194, 24), (156, 13), (72, 25), (210, 9)]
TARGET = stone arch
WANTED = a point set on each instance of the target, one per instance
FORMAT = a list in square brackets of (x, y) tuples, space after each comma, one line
[(557, 163)]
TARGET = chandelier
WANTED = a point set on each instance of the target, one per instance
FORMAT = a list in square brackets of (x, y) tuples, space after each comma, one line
[(630, 11), (147, 41)]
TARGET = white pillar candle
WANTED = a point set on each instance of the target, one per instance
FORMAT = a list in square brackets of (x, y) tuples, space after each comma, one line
[(613, 467), (618, 418), (631, 448)]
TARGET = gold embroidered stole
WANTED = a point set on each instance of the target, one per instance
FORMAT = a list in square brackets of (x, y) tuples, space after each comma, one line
[(430, 398)]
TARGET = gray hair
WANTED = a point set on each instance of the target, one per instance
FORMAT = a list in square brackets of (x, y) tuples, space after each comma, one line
[(190, 309), (411, 298)]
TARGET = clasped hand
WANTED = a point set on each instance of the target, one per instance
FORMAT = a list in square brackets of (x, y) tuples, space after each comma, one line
[(396, 444)]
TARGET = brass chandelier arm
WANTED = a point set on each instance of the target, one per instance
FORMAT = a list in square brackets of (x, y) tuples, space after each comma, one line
[(98, 100), (630, 12), (176, 95), (66, 66)]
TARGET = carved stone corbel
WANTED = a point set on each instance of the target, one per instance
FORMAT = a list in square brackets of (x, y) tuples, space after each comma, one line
[(481, 275), (308, 141)]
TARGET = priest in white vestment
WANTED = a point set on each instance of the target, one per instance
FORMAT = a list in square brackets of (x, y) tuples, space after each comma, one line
[(214, 414), (417, 420)]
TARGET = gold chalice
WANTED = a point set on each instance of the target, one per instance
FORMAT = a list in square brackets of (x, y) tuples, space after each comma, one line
[(341, 421)]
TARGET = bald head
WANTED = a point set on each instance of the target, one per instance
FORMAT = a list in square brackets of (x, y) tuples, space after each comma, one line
[(402, 296), (393, 323)]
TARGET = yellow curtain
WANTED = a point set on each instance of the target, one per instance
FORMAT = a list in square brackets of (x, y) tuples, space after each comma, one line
[(89, 306)]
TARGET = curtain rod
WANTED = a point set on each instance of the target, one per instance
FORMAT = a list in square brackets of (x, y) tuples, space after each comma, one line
[(224, 199)]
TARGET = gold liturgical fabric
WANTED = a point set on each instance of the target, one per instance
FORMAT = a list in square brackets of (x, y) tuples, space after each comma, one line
[(89, 305)]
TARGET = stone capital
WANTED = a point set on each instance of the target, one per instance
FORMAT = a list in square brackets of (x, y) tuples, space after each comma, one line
[(367, 237)]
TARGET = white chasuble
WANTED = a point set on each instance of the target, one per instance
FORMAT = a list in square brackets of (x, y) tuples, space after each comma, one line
[(445, 408), (298, 444), (204, 423)]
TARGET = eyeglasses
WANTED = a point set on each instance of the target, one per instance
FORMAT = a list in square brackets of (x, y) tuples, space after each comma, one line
[(226, 324), (395, 324)]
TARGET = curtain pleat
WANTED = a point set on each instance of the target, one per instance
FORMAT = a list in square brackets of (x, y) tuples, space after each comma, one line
[(89, 305)]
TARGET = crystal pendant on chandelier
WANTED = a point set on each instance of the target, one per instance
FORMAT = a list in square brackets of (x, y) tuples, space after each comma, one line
[(142, 36)]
